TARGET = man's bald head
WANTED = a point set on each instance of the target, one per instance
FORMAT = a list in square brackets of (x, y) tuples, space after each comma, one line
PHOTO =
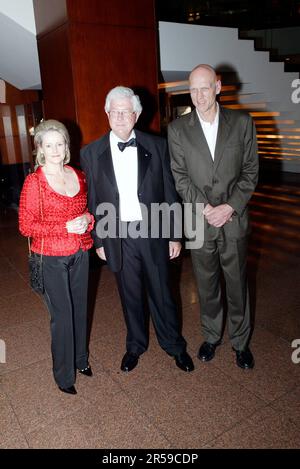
[(204, 67), (204, 87)]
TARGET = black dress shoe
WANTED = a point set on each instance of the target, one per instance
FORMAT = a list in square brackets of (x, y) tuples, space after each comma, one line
[(70, 390), (184, 362), (207, 351), (129, 361), (86, 371), (244, 359)]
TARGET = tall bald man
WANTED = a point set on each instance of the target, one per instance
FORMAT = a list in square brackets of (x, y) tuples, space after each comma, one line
[(214, 161)]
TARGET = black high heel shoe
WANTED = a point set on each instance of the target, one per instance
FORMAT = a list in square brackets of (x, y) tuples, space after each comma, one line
[(70, 390), (86, 371)]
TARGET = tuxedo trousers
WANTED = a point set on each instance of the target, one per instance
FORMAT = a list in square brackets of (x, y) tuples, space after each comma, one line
[(230, 257), (66, 285), (140, 278)]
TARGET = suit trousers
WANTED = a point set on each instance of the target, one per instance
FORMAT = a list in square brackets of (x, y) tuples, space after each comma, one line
[(139, 273), (66, 285), (229, 256)]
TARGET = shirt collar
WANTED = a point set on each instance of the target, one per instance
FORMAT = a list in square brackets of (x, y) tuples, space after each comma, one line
[(216, 119), (115, 139)]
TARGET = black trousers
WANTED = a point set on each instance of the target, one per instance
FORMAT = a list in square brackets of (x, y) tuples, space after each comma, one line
[(139, 271), (66, 284)]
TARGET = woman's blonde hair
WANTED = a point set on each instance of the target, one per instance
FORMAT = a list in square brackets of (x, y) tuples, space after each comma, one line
[(39, 133)]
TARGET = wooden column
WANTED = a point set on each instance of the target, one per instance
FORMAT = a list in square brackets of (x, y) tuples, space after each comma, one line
[(87, 47), (19, 111), (15, 120)]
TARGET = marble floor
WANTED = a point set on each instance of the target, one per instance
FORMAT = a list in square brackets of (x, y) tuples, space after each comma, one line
[(157, 405)]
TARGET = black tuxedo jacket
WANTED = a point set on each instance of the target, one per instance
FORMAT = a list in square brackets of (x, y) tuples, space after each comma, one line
[(155, 185)]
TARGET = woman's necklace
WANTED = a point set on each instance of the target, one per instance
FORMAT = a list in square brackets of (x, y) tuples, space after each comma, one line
[(59, 177)]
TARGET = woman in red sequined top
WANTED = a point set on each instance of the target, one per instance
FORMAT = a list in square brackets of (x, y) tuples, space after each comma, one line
[(53, 213)]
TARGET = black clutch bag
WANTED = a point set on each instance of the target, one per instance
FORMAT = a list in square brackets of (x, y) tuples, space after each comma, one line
[(36, 272)]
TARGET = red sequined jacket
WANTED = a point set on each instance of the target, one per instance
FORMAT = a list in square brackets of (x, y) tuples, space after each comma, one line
[(43, 214)]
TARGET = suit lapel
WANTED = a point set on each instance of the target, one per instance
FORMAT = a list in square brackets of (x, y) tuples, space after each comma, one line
[(144, 158), (106, 163), (222, 136), (197, 137)]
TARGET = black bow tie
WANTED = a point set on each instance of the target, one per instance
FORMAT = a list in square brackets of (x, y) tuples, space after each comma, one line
[(130, 143)]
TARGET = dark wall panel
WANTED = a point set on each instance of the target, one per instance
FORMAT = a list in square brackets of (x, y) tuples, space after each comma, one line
[(113, 12), (102, 44), (100, 62), (57, 75)]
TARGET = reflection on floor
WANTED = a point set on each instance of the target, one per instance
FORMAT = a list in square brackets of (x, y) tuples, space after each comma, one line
[(157, 405)]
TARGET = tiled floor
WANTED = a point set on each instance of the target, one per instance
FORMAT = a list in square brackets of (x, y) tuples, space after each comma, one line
[(157, 405)]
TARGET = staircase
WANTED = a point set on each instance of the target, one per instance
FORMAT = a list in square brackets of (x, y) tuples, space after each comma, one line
[(275, 218), (278, 136), (252, 83), (282, 44)]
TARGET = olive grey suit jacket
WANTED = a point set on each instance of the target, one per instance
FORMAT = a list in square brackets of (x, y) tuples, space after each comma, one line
[(230, 178)]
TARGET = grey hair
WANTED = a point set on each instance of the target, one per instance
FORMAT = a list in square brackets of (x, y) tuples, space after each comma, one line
[(123, 92), (39, 133)]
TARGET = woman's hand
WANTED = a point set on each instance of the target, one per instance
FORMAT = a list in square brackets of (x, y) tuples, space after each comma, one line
[(101, 253), (78, 225)]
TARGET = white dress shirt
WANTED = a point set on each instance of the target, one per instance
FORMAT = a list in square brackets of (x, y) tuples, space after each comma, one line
[(210, 131), (126, 171)]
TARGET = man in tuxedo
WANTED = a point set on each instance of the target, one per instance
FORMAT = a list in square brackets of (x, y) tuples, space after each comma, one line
[(128, 170), (214, 162)]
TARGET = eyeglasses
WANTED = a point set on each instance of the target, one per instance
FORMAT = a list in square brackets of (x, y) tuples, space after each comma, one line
[(124, 114)]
